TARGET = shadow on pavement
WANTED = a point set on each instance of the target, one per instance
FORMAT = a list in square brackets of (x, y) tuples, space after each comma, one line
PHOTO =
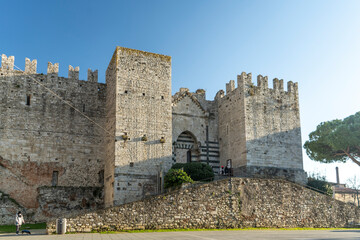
[(34, 232), (353, 230)]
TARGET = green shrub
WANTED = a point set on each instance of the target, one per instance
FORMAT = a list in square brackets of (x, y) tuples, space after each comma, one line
[(320, 184), (196, 170), (176, 177)]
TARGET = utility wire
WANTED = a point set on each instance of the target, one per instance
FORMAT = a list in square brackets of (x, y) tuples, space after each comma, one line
[(66, 102)]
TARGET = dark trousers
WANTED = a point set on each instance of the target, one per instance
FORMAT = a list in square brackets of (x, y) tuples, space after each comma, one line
[(18, 228)]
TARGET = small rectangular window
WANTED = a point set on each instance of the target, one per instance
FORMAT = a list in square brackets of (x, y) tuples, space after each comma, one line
[(55, 176), (83, 107), (101, 177), (28, 100)]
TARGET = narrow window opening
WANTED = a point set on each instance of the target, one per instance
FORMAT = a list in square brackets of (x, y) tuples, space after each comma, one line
[(131, 164), (55, 178), (28, 100), (162, 97), (143, 94), (83, 107), (101, 177)]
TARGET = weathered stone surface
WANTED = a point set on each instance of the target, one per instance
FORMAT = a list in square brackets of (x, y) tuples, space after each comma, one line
[(195, 128), (40, 134), (55, 201), (239, 202), (9, 208), (125, 134), (259, 127), (138, 103)]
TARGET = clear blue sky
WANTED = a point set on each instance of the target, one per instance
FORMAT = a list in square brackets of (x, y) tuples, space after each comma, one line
[(314, 43)]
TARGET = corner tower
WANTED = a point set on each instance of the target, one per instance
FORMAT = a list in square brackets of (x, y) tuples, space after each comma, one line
[(259, 129), (139, 120)]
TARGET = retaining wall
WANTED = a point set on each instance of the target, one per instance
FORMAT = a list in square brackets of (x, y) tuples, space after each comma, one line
[(240, 202)]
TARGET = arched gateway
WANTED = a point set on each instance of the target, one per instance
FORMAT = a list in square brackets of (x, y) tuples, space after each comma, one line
[(186, 148)]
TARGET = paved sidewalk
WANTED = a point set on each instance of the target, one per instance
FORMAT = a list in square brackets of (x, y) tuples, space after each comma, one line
[(199, 235)]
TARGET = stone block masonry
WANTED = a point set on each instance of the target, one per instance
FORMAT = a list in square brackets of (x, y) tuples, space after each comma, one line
[(143, 130), (36, 127), (259, 129), (138, 105), (235, 203), (43, 141), (9, 207), (195, 130), (55, 201)]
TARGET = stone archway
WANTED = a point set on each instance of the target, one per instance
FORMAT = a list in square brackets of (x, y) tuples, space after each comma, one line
[(186, 148)]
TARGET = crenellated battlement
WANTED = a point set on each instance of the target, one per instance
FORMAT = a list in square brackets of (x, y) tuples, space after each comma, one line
[(278, 84), (230, 86), (244, 83), (92, 76), (30, 66), (8, 63), (262, 82), (244, 78), (53, 68), (74, 72)]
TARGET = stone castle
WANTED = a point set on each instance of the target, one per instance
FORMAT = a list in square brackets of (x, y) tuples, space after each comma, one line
[(120, 138)]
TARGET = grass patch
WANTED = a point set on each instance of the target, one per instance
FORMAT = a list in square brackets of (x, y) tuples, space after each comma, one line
[(12, 228), (228, 229)]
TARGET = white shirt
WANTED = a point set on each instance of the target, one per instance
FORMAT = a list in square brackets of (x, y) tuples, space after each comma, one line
[(19, 220)]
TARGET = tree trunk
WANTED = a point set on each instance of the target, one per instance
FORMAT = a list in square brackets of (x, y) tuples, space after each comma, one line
[(351, 157)]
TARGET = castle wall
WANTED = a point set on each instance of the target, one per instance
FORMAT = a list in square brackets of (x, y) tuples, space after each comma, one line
[(143, 107), (139, 129), (42, 138), (234, 203)]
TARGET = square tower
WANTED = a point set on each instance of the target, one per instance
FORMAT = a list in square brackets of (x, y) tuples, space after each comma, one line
[(259, 129), (139, 118)]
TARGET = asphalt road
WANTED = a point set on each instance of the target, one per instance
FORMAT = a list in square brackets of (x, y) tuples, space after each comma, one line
[(200, 235)]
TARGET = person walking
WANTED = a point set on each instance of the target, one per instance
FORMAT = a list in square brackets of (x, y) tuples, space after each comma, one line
[(19, 220)]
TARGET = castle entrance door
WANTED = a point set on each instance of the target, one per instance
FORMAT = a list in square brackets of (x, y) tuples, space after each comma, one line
[(186, 148)]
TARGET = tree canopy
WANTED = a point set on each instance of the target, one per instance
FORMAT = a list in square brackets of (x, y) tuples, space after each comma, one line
[(335, 141)]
